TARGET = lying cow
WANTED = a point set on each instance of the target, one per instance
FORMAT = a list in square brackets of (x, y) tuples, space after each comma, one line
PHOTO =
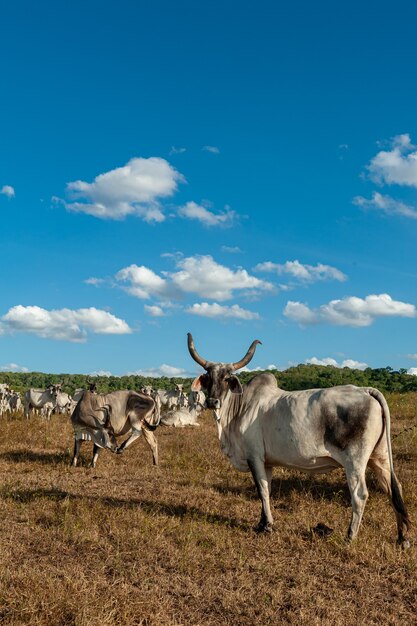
[(316, 430), (180, 418), (101, 418)]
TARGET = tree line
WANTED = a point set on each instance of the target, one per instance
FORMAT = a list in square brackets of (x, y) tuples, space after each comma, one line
[(299, 377)]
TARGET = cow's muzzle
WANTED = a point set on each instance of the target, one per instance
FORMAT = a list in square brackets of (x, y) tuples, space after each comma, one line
[(213, 403)]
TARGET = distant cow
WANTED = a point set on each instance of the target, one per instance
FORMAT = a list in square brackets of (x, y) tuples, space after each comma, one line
[(173, 398), (47, 409), (180, 418), (4, 395), (101, 418), (197, 401), (38, 398), (63, 402), (78, 394), (15, 402)]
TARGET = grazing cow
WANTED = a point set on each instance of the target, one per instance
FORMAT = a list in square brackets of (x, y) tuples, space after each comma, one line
[(101, 418), (316, 430), (37, 398)]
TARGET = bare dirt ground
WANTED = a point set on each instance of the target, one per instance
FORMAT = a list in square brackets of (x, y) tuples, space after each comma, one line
[(128, 543)]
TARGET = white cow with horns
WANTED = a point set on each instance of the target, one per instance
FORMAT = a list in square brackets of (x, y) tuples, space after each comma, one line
[(317, 430)]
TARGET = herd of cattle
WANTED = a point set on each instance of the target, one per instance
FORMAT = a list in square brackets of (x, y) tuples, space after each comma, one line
[(259, 426), (182, 409)]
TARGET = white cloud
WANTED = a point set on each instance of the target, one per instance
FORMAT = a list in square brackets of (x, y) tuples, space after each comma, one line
[(216, 311), (412, 371), (357, 365), (175, 150), (194, 211), (412, 356), (354, 365), (163, 370), (8, 190), (200, 275), (205, 277), (231, 249), (134, 189), (144, 283), (154, 311), (63, 324), (350, 311), (212, 149), (94, 281), (105, 373), (387, 205), (307, 273), (396, 166), (13, 367), (261, 369)]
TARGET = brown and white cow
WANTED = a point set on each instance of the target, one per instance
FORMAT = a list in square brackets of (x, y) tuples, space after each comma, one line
[(102, 418), (317, 430)]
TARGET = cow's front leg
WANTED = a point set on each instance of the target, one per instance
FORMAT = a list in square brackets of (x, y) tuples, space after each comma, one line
[(96, 452), (135, 434), (77, 446), (260, 476)]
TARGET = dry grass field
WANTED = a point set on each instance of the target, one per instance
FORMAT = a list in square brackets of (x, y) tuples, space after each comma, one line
[(128, 543)]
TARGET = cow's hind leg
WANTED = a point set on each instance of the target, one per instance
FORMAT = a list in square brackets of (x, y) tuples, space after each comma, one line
[(359, 495), (262, 476), (77, 446), (379, 465), (152, 443), (96, 452)]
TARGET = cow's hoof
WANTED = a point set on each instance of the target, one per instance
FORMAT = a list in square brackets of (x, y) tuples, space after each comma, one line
[(404, 544), (263, 528), (119, 450)]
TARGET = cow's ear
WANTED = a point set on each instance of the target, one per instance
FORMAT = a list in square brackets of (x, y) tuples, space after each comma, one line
[(199, 383), (235, 384)]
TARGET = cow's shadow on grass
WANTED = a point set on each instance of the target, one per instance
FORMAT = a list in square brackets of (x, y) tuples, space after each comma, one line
[(44, 458), (284, 487), (182, 511)]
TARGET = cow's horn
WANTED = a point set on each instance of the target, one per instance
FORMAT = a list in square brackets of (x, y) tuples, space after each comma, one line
[(197, 358), (248, 356)]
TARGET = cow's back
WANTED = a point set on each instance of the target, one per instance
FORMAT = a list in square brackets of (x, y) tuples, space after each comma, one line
[(94, 408)]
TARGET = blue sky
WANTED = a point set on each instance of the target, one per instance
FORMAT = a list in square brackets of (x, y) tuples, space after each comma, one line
[(237, 170)]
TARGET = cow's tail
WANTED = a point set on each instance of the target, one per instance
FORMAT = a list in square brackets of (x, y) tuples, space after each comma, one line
[(396, 496)]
